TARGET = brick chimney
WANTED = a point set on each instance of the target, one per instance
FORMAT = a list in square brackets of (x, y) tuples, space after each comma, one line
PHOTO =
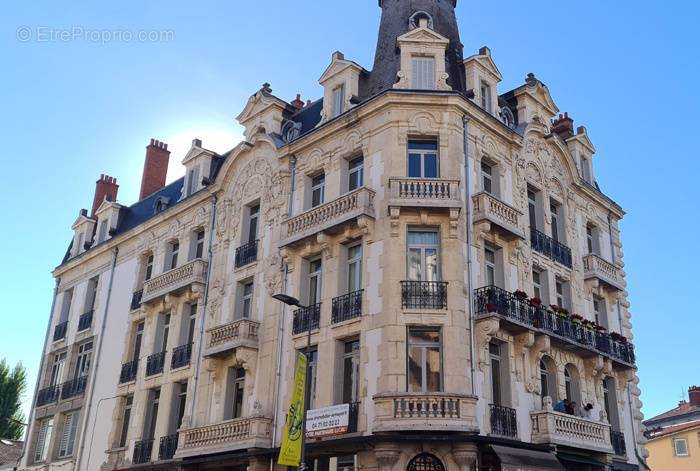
[(155, 169), (564, 126), (298, 103), (105, 186), (694, 396)]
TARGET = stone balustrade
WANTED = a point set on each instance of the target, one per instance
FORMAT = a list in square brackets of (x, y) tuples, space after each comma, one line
[(596, 267), (239, 333), (489, 208), (235, 434), (424, 192), (425, 411), (326, 216), (175, 280), (558, 428)]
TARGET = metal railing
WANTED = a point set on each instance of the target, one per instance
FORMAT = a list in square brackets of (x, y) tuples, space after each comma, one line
[(246, 254), (424, 294), (503, 421), (167, 447), (85, 321), (181, 356), (143, 449), (59, 332), (154, 363), (74, 387), (617, 439), (128, 372), (347, 306), (136, 299), (545, 245), (495, 299), (48, 395), (306, 318)]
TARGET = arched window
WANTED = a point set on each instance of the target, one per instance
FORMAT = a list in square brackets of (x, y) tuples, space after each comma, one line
[(425, 462), (571, 384), (548, 379)]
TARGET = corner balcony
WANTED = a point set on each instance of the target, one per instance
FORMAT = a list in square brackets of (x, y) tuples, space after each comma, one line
[(231, 435), (424, 193), (175, 281), (517, 316), (227, 338), (556, 428), (502, 217), (425, 411), (607, 273), (329, 216)]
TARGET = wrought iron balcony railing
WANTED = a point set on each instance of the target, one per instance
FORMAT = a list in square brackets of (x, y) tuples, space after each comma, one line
[(496, 300), (181, 356), (59, 333), (306, 319), (48, 395), (618, 443), (346, 307), (503, 421), (143, 449), (154, 363), (352, 417), (74, 387), (136, 299), (129, 370), (246, 254), (167, 447), (85, 321), (424, 294), (545, 245)]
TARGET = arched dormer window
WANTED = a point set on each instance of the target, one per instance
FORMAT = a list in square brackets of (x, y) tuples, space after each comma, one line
[(414, 20), (290, 130), (160, 204), (507, 117)]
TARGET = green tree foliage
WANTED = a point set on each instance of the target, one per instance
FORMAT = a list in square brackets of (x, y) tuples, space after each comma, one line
[(13, 383)]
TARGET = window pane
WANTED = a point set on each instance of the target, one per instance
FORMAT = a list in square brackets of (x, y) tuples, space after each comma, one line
[(424, 336), (431, 265), (430, 161), (423, 238), (415, 369), (432, 374), (414, 165), (414, 269)]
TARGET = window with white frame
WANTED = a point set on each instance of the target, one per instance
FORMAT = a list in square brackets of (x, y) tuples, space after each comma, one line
[(197, 244), (338, 101), (43, 442), (91, 295), (246, 299), (356, 171), (424, 359), (81, 243), (253, 219), (149, 429), (592, 241), (190, 322), (66, 303), (57, 369), (318, 190), (138, 337), (161, 344), (562, 293), (314, 282), (423, 158), (557, 222), (82, 365), (351, 371), (423, 255), (487, 178), (354, 268), (537, 284), (180, 399), (171, 259), (423, 73), (192, 183), (126, 418), (490, 266), (534, 208), (680, 447), (495, 358), (234, 394), (149, 267), (599, 311), (70, 428), (486, 96)]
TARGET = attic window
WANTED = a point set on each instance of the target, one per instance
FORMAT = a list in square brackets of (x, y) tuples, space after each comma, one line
[(507, 117), (290, 130), (414, 21), (160, 204)]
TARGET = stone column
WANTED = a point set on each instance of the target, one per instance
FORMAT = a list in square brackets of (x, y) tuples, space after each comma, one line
[(465, 455), (386, 455)]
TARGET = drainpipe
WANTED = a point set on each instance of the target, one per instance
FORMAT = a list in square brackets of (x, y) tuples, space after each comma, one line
[(470, 308), (41, 368), (198, 365), (634, 432), (278, 374), (96, 366)]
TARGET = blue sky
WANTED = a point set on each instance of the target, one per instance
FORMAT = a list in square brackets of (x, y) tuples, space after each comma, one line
[(75, 107)]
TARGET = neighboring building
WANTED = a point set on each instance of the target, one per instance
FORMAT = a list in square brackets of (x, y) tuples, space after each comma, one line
[(10, 452), (674, 436), (412, 269)]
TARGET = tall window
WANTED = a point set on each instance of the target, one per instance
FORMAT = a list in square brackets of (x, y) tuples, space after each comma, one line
[(313, 372), (253, 217), (610, 402), (81, 243), (568, 384), (338, 101), (356, 173), (59, 364), (562, 295), (197, 245), (354, 268), (82, 366), (43, 442), (424, 360), (70, 428), (66, 304), (149, 429), (162, 340), (102, 232), (532, 207), (490, 266), (149, 267), (318, 190), (191, 320), (351, 371), (91, 294), (180, 401), (423, 159), (544, 380), (495, 356), (556, 221), (486, 97), (247, 300), (423, 73), (173, 250), (126, 417), (585, 169), (487, 178), (137, 340), (236, 389), (423, 252), (599, 312), (192, 178), (314, 282), (592, 239)]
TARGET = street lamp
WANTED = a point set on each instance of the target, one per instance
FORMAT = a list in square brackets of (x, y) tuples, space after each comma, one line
[(292, 301)]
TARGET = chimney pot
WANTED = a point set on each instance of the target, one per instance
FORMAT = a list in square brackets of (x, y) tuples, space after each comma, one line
[(105, 188), (155, 168), (694, 396)]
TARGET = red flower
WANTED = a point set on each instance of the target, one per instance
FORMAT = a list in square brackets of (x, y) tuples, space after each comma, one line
[(490, 307), (520, 295), (535, 302)]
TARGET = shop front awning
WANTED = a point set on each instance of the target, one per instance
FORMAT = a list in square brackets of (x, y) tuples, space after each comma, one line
[(580, 459), (513, 459)]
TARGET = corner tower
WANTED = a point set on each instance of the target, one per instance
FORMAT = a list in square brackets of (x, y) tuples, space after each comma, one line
[(401, 16)]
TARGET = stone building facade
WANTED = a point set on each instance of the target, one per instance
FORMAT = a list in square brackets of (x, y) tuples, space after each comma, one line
[(459, 269)]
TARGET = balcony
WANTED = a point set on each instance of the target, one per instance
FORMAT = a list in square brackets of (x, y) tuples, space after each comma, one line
[(545, 245), (424, 295), (85, 321), (425, 411), (142, 451), (595, 267), (328, 216), (306, 319), (236, 434), (136, 299), (226, 338), (503, 421), (518, 316), (181, 356), (59, 332), (502, 217), (618, 443), (424, 193), (556, 428), (346, 307), (48, 395), (155, 363), (128, 373), (175, 281), (167, 447), (74, 387), (246, 254)]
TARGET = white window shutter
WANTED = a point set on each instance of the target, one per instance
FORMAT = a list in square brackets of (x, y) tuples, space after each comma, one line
[(65, 437), (41, 441)]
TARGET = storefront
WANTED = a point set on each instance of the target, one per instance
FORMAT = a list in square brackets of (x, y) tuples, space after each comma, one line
[(505, 458)]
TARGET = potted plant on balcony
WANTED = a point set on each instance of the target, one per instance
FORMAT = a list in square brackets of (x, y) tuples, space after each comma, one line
[(520, 295), (490, 307), (618, 337), (599, 328), (576, 319), (535, 302), (554, 308), (588, 324)]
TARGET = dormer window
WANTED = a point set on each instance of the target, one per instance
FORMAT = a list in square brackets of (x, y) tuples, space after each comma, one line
[(338, 101), (102, 232), (81, 243), (585, 169), (507, 117), (423, 73), (192, 177), (486, 96), (161, 204)]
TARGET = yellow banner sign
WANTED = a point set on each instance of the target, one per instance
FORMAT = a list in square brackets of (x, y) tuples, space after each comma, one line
[(290, 452)]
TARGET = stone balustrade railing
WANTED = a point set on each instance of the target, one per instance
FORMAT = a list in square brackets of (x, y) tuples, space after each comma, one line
[(435, 192), (488, 207), (243, 332), (596, 267), (425, 411), (558, 428), (174, 280), (235, 434)]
